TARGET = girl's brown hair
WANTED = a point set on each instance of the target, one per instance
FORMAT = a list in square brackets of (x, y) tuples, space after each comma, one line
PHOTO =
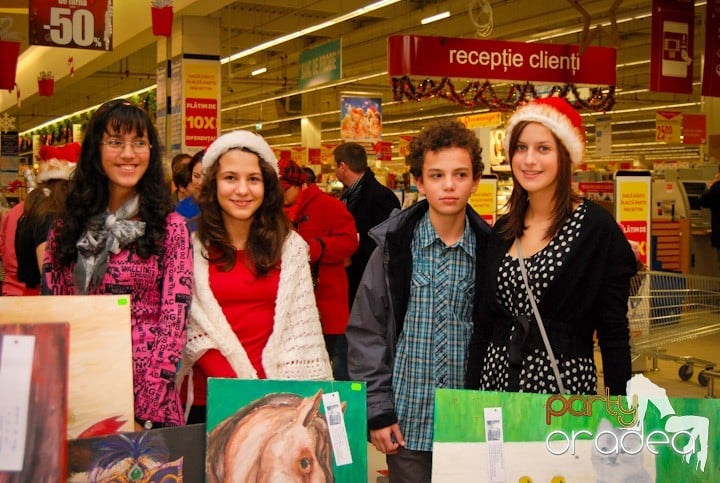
[(268, 229), (564, 196)]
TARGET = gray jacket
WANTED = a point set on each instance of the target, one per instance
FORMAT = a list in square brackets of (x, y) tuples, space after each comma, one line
[(381, 302)]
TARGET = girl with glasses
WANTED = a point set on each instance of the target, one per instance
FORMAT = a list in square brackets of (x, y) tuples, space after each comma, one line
[(119, 234)]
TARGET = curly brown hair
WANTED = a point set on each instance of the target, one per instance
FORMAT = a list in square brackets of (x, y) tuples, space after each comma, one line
[(268, 230), (441, 135)]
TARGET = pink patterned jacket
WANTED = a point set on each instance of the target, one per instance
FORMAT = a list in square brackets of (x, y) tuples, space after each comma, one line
[(161, 289)]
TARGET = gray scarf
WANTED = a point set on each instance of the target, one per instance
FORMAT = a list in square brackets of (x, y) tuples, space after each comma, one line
[(106, 233)]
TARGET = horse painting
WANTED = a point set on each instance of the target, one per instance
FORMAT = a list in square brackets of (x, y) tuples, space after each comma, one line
[(279, 438)]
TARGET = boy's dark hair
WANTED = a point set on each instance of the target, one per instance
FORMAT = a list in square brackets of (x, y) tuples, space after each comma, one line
[(444, 134), (181, 175), (353, 155), (309, 175)]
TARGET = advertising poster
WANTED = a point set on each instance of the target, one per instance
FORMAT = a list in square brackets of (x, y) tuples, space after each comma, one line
[(603, 136), (484, 200), (523, 437), (632, 210), (361, 119), (160, 455), (671, 50), (668, 126), (298, 430), (201, 81), (694, 128), (76, 25)]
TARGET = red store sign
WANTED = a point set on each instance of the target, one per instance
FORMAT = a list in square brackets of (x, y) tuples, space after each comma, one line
[(496, 59), (81, 24)]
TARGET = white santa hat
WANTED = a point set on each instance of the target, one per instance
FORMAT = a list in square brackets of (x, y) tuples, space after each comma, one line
[(556, 114), (58, 162), (239, 139)]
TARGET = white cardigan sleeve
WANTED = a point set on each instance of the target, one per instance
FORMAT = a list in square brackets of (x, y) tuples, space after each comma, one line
[(296, 349)]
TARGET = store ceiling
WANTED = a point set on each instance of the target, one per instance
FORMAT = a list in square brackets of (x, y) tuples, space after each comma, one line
[(132, 63)]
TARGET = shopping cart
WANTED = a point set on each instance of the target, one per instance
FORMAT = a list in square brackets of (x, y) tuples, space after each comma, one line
[(667, 307)]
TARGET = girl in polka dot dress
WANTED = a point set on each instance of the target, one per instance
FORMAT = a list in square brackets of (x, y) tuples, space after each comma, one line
[(578, 263)]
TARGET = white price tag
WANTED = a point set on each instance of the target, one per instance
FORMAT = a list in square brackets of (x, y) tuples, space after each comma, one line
[(336, 423), (495, 444), (16, 361)]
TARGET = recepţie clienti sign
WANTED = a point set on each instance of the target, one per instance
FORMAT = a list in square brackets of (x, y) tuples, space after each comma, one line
[(416, 55)]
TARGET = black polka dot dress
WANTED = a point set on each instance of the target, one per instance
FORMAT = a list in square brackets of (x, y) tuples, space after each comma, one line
[(536, 375)]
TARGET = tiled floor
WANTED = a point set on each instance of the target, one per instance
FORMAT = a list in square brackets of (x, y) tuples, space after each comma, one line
[(707, 348)]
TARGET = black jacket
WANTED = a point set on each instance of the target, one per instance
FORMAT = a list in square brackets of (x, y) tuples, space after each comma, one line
[(588, 293), (374, 204), (711, 199)]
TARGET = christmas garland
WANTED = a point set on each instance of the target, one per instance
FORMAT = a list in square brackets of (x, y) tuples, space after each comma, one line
[(482, 94)]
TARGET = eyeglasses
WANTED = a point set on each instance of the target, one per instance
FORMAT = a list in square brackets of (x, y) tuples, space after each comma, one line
[(139, 146)]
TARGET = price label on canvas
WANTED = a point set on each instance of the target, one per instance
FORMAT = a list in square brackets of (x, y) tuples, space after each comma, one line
[(78, 24), (338, 433), (16, 361), (495, 440)]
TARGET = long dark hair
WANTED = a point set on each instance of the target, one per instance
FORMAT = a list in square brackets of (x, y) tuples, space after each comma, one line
[(564, 196), (89, 193), (47, 200), (268, 230)]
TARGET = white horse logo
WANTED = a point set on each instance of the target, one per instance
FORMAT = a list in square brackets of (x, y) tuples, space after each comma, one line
[(698, 426)]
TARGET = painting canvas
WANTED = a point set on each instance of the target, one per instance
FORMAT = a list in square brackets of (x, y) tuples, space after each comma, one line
[(43, 407), (100, 384), (495, 436), (160, 455), (286, 431)]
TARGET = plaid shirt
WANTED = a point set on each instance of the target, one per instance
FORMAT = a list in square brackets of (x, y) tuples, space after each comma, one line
[(432, 348)]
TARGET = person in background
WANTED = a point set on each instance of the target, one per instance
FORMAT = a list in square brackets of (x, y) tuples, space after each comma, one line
[(310, 176), (413, 314), (178, 161), (329, 230), (370, 203), (253, 313), (11, 285), (711, 199), (119, 234), (188, 206), (41, 208), (561, 239)]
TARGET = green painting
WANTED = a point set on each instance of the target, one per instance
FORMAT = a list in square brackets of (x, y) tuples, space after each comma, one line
[(533, 438), (262, 430)]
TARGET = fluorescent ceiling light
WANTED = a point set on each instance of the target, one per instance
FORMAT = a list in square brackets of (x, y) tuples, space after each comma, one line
[(259, 71), (435, 18), (308, 30)]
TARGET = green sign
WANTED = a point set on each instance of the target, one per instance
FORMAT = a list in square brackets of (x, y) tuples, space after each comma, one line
[(320, 65)]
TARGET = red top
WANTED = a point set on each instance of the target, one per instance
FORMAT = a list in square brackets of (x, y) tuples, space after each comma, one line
[(248, 303), (11, 285)]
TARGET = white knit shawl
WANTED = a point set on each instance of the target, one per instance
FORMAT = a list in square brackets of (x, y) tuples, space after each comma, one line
[(295, 349)]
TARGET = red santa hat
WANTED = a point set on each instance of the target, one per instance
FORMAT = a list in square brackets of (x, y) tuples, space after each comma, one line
[(556, 114), (58, 162)]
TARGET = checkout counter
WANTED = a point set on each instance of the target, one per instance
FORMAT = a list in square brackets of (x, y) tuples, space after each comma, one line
[(675, 199)]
